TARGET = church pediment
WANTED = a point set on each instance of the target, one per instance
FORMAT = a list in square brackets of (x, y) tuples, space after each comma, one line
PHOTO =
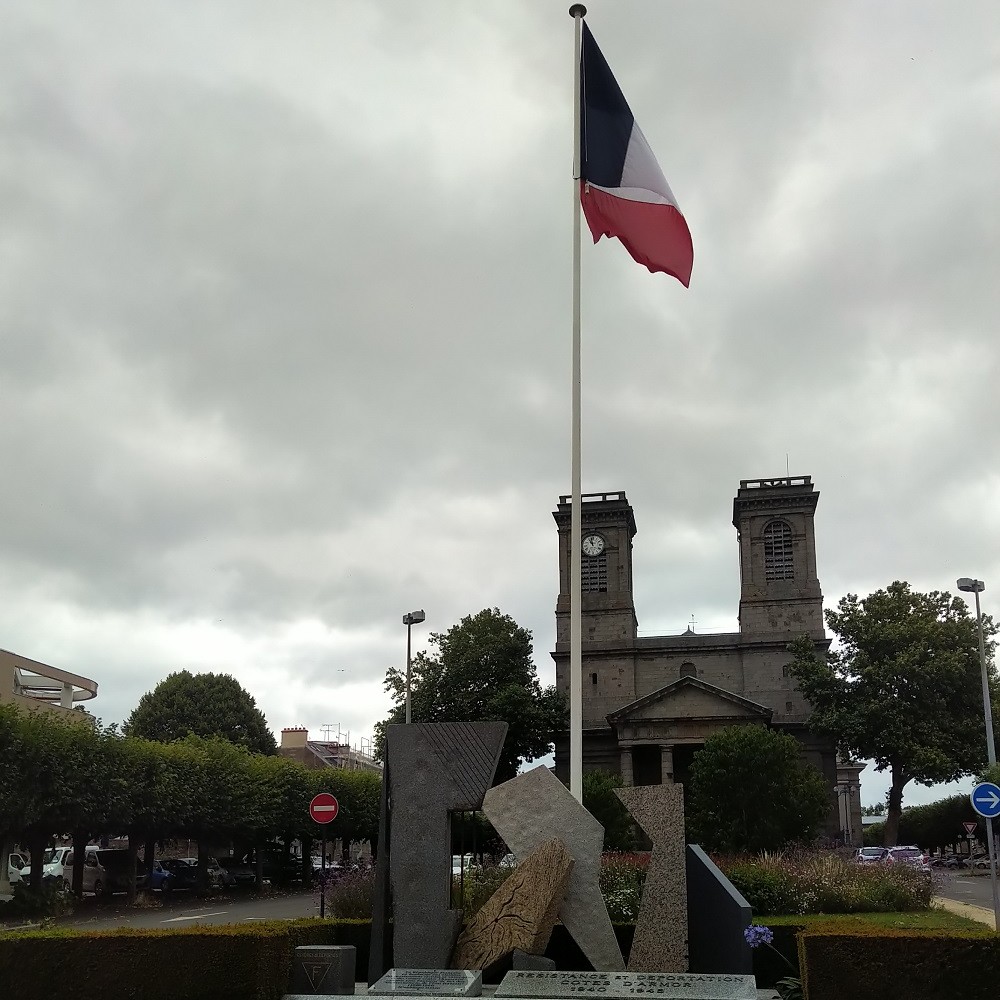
[(690, 698)]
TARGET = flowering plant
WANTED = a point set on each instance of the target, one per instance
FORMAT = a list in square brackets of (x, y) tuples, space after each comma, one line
[(789, 988)]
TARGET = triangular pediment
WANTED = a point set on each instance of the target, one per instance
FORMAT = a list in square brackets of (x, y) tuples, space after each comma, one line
[(691, 698)]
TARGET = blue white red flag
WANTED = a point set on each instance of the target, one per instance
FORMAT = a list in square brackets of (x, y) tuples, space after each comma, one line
[(622, 188)]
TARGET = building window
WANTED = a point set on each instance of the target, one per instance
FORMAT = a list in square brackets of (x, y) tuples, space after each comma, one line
[(788, 707), (778, 563), (594, 574), (593, 678), (689, 670)]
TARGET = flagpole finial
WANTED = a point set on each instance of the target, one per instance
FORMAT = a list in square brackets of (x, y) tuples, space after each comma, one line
[(578, 10)]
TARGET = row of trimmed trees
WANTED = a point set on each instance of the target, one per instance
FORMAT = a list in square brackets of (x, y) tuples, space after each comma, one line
[(73, 778)]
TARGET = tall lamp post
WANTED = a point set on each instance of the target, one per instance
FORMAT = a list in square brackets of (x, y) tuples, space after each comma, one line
[(969, 586), (409, 620)]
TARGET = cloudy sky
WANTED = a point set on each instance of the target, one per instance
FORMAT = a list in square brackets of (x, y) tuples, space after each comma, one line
[(285, 330)]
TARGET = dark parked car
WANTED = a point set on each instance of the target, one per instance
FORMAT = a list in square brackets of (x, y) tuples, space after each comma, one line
[(180, 873)]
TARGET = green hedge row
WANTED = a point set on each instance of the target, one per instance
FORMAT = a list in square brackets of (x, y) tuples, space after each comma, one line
[(917, 965), (235, 962)]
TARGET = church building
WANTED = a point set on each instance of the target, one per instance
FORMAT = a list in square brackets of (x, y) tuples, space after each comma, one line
[(650, 702)]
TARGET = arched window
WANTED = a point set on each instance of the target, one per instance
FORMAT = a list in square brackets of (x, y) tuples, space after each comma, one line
[(778, 561), (689, 670)]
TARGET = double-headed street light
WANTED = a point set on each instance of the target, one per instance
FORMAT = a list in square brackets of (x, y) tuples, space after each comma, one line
[(409, 620), (970, 586)]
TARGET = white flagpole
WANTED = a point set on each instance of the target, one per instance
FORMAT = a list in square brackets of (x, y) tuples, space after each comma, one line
[(577, 12)]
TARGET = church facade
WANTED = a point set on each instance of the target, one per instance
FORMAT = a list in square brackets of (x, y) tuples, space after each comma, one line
[(650, 702)]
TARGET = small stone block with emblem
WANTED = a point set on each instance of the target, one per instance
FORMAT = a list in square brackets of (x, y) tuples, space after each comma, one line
[(324, 970)]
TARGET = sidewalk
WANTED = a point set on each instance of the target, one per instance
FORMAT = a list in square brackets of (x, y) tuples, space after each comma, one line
[(970, 910)]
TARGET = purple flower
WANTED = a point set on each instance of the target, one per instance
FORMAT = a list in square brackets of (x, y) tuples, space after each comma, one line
[(757, 934)]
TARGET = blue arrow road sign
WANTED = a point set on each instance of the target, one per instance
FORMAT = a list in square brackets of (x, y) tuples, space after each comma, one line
[(986, 799)]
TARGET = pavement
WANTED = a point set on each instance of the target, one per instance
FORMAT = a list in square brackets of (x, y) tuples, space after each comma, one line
[(969, 910)]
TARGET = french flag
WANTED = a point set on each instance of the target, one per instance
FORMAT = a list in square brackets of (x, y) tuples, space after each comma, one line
[(622, 189)]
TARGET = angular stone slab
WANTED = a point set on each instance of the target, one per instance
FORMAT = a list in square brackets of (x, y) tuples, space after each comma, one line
[(523, 962), (324, 970), (521, 913), (661, 929), (429, 982), (627, 986), (536, 806), (434, 769)]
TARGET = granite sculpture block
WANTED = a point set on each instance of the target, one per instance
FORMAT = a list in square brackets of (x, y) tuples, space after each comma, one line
[(661, 932), (429, 982), (324, 970), (718, 915), (536, 806), (521, 913), (379, 950), (434, 769), (625, 986), (523, 962)]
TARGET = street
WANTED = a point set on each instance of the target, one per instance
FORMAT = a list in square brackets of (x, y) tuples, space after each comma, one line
[(183, 910), (964, 887)]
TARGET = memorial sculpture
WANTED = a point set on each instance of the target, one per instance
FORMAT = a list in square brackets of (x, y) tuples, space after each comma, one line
[(432, 770), (661, 940), (536, 806), (520, 915), (435, 770)]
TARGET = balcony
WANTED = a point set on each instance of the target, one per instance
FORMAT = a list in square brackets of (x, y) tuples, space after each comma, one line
[(32, 685)]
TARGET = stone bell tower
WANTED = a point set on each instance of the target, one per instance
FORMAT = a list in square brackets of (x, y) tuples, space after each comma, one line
[(779, 593)]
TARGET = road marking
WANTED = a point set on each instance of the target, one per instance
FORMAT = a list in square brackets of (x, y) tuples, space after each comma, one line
[(196, 916)]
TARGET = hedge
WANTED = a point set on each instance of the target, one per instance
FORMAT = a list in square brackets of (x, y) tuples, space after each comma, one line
[(233, 962), (917, 965)]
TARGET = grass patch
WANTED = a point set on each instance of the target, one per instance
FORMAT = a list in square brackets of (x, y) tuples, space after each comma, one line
[(930, 920)]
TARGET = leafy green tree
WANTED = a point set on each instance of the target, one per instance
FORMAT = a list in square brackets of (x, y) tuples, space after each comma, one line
[(876, 809), (482, 672), (207, 705), (600, 801), (750, 790), (902, 687)]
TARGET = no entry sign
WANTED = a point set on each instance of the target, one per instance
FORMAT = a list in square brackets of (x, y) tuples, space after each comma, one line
[(324, 808)]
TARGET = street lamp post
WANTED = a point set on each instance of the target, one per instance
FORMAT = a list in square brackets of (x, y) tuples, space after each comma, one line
[(409, 620), (969, 586)]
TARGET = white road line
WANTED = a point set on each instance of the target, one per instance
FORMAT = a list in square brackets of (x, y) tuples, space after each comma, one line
[(196, 916)]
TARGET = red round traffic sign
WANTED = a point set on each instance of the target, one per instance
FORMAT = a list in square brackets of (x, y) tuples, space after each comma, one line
[(324, 808)]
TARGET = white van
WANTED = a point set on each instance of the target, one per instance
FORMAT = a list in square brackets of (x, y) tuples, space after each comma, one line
[(58, 863), (15, 863)]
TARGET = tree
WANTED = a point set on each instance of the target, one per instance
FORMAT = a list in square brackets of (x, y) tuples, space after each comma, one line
[(876, 809), (208, 705), (750, 790), (482, 672), (902, 687), (600, 801)]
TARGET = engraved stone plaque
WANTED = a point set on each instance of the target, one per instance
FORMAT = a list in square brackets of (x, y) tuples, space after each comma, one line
[(627, 985), (430, 983)]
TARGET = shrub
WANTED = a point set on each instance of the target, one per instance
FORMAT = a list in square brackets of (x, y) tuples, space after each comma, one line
[(826, 883), (352, 896), (53, 899), (622, 878)]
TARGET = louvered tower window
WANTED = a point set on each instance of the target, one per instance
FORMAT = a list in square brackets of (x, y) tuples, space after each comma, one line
[(778, 561), (594, 573)]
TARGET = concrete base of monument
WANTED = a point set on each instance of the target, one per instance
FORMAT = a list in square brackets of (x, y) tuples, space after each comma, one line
[(488, 992)]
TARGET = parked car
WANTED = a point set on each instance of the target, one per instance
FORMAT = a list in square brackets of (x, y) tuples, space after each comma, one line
[(15, 863), (907, 855), (217, 875), (105, 871), (183, 873), (57, 862), (870, 855)]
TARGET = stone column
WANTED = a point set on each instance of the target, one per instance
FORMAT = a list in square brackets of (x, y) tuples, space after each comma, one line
[(666, 765), (627, 767)]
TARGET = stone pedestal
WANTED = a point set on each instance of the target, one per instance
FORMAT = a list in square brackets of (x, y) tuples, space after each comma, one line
[(324, 970)]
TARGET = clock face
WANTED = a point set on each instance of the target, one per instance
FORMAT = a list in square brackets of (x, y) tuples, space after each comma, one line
[(593, 545)]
